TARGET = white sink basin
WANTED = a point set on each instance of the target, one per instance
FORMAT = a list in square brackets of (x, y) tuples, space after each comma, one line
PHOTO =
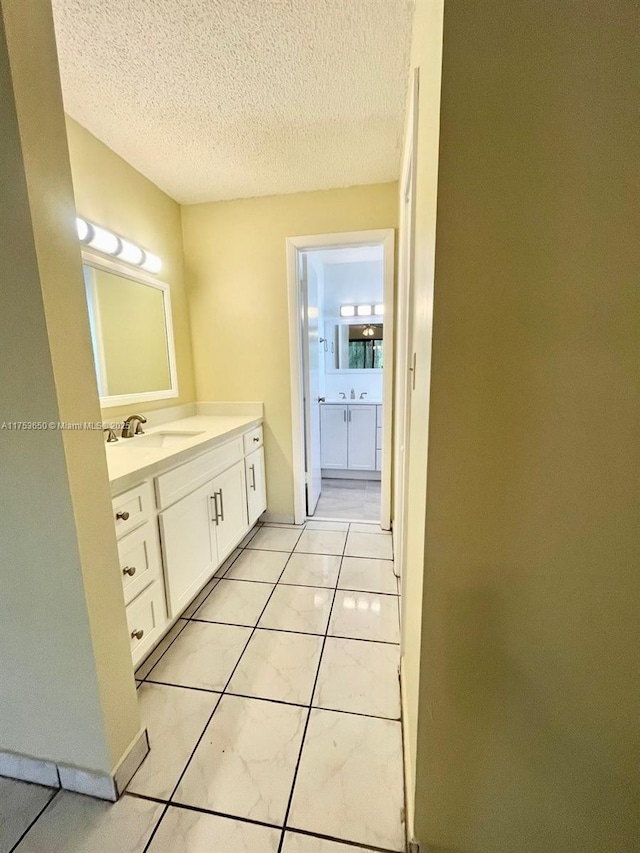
[(157, 439)]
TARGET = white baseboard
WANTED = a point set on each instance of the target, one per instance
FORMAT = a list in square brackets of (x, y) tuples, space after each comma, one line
[(346, 474), (409, 792), (102, 786)]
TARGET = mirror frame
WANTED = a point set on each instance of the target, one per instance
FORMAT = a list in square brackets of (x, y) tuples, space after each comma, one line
[(97, 261)]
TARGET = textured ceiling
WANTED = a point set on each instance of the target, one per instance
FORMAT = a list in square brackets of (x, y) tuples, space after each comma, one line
[(221, 99)]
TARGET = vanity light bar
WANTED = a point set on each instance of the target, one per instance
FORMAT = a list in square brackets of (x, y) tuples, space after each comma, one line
[(361, 310), (109, 243)]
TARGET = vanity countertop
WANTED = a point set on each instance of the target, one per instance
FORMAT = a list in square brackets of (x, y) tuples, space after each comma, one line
[(349, 402), (129, 463)]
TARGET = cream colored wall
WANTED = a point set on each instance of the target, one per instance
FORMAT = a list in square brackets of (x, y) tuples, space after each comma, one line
[(426, 55), (528, 736), (112, 193), (67, 692), (236, 271)]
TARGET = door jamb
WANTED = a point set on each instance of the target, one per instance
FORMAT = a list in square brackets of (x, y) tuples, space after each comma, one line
[(294, 245)]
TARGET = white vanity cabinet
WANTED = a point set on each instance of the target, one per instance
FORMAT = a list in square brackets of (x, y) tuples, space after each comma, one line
[(348, 436), (171, 546)]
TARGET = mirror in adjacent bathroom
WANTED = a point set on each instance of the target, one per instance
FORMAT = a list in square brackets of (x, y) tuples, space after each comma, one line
[(130, 320), (354, 346)]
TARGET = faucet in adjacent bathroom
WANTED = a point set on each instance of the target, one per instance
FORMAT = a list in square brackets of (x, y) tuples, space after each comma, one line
[(363, 395), (343, 396), (128, 428), (353, 394)]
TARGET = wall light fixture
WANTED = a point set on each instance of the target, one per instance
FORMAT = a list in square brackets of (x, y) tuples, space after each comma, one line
[(105, 241)]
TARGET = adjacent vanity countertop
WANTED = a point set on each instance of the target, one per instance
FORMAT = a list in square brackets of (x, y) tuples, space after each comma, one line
[(349, 402), (129, 464)]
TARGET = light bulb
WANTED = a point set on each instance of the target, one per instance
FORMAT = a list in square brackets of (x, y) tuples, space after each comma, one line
[(130, 253), (84, 229), (364, 310), (347, 311), (378, 310), (151, 263), (104, 241)]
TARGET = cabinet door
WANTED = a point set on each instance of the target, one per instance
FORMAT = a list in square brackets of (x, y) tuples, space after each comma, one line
[(362, 438), (231, 499), (333, 436), (256, 485), (189, 546)]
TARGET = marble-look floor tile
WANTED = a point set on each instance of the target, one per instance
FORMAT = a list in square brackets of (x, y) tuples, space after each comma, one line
[(365, 616), (295, 842), (321, 542), (186, 831), (20, 805), (235, 602), (365, 527), (175, 718), (341, 526), (274, 539), (368, 575), (244, 542), (145, 668), (350, 780), (74, 823), (204, 655), (264, 566), (312, 570), (200, 597), (369, 545), (298, 608), (359, 677), (278, 665), (245, 762)]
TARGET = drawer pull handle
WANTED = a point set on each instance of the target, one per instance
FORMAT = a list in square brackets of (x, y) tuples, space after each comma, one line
[(252, 468), (216, 517), (256, 438), (129, 570), (137, 635), (219, 492), (123, 515)]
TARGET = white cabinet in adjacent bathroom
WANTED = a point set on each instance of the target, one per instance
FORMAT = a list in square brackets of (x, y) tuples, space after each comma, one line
[(256, 485), (348, 437)]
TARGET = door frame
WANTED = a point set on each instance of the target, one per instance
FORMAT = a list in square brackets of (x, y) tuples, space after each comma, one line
[(294, 245)]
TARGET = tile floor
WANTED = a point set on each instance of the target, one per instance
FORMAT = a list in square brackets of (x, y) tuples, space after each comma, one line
[(350, 499), (273, 711)]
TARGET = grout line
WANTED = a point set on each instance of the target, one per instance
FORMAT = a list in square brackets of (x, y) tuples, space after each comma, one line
[(54, 794), (200, 810), (198, 742), (313, 690), (347, 842)]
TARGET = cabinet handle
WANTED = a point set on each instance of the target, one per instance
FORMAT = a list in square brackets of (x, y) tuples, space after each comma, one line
[(349, 415), (215, 508), (123, 515), (252, 468), (256, 439), (129, 570), (137, 635), (344, 415), (221, 505)]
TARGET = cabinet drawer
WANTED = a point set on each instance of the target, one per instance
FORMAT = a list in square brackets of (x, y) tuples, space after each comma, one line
[(132, 508), (379, 416), (253, 440), (146, 620), (379, 438), (139, 560), (185, 479)]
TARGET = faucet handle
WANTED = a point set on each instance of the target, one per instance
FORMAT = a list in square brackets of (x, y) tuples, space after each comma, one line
[(363, 395), (111, 434), (343, 395)]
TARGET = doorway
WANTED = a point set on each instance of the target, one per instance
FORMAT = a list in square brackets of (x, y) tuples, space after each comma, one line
[(341, 326)]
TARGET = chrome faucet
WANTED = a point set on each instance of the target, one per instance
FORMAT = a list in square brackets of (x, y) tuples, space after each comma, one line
[(353, 394), (363, 395), (128, 428)]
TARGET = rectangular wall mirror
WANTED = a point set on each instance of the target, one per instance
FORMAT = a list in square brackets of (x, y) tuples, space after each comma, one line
[(354, 346), (131, 332)]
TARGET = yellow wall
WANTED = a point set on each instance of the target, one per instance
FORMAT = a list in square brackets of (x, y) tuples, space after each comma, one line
[(528, 736), (67, 692), (112, 193), (236, 271)]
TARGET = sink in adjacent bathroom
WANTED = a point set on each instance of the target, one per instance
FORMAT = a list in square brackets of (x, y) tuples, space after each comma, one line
[(157, 439)]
